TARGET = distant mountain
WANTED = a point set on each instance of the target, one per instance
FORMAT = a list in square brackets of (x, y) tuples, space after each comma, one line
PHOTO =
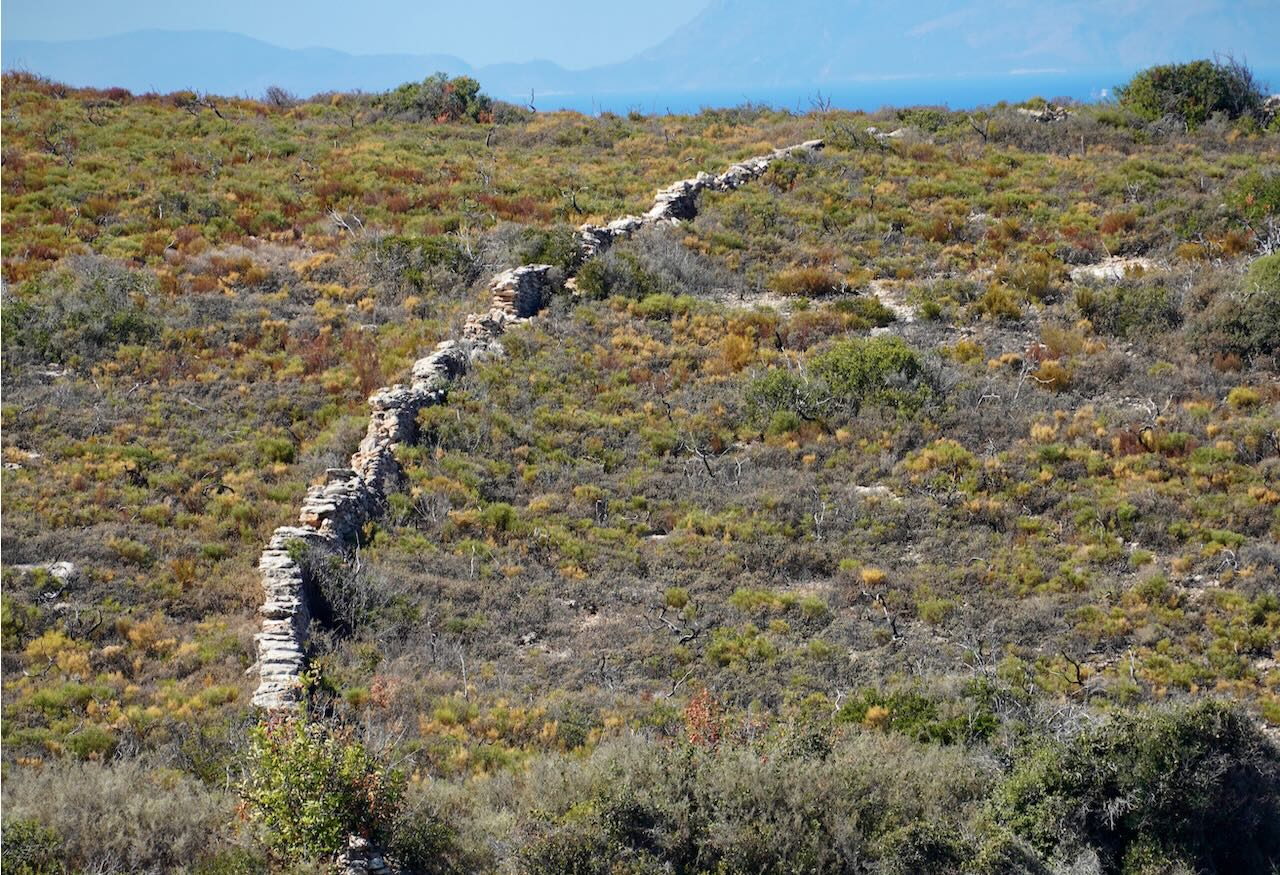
[(770, 43), (233, 64), (732, 44)]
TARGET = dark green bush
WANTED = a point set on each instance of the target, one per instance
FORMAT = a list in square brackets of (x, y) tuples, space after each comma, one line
[(880, 371), (617, 273), (417, 263), (556, 246), (869, 311), (1193, 91), (921, 848), (1245, 324), (423, 844), (791, 395), (1198, 784)]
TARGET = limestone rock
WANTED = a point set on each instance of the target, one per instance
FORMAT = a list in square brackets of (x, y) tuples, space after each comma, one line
[(678, 201), (1112, 269)]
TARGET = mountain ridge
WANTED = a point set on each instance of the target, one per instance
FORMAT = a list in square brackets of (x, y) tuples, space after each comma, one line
[(731, 44)]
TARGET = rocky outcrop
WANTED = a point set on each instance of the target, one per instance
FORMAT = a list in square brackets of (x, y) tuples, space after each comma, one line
[(1050, 112), (522, 291), (1112, 269), (335, 512), (364, 858)]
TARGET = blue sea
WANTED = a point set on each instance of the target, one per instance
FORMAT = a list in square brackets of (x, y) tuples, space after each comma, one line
[(959, 92)]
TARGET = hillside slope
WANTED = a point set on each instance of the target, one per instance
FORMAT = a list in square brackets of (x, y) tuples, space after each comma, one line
[(900, 510)]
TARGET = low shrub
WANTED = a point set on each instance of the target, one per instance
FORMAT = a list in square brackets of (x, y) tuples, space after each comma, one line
[(809, 282), (1131, 310), (125, 816)]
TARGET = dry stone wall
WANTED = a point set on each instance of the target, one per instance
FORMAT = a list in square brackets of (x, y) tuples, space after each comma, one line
[(679, 201), (334, 512)]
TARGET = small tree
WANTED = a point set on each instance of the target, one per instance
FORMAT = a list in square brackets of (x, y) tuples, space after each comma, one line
[(310, 786), (278, 97)]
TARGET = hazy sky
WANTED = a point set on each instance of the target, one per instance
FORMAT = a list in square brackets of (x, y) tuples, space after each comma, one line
[(573, 33)]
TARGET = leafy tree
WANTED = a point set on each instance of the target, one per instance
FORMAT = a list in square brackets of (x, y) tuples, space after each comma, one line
[(1193, 91), (310, 786)]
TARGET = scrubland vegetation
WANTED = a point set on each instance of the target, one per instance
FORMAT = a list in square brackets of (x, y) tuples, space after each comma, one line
[(862, 524)]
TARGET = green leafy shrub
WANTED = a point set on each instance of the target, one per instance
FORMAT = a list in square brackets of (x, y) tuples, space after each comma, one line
[(913, 714), (1256, 195), (1245, 324), (1197, 784), (30, 848), (1263, 274), (1193, 91), (310, 786), (921, 848), (792, 393)]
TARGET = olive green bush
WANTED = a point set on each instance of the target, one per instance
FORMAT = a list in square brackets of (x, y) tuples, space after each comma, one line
[(82, 312)]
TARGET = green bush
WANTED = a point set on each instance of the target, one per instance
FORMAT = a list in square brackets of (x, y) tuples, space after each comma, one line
[(424, 844), (1197, 784), (439, 98), (1131, 310), (880, 371), (1256, 195), (1263, 274), (921, 848), (309, 786), (783, 398), (31, 848), (1193, 91), (1245, 324)]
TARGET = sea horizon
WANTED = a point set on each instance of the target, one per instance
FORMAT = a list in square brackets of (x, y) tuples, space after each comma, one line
[(869, 95)]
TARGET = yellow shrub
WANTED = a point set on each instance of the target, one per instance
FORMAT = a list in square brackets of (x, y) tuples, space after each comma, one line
[(872, 576)]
